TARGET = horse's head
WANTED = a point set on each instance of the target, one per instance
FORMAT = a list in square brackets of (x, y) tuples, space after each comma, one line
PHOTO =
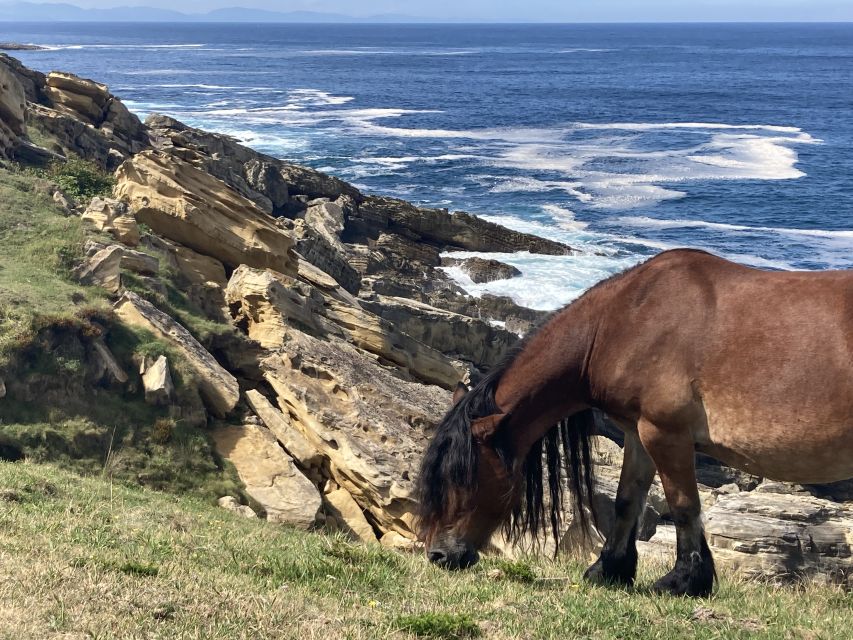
[(466, 489)]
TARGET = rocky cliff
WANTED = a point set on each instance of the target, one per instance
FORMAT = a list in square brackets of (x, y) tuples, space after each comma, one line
[(315, 325)]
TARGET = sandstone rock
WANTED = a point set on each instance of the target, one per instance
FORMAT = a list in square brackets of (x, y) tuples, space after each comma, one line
[(33, 82), (456, 230), (78, 97), (394, 540), (269, 305), (12, 111), (348, 515), (66, 204), (230, 503), (483, 270), (369, 424), (157, 382), (782, 536), (317, 250), (452, 334), (270, 476), (106, 364), (112, 216), (192, 208), (139, 262), (103, 269), (2, 388), (287, 435), (218, 387)]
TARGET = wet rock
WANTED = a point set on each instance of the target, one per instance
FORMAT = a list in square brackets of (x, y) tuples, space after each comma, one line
[(482, 270)]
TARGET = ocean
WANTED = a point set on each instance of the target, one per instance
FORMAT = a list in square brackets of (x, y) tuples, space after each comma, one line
[(621, 140)]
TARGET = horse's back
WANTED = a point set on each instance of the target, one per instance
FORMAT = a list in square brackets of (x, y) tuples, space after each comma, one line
[(761, 361)]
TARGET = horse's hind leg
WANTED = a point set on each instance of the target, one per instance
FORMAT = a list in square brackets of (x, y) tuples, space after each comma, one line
[(618, 560), (672, 451)]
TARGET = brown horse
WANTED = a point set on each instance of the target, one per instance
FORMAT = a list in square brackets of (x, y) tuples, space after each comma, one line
[(685, 352)]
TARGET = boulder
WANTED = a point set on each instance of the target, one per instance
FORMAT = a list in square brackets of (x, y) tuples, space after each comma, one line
[(218, 388), (316, 249), (369, 424), (13, 106), (139, 262), (270, 306), (103, 269), (105, 364), (33, 82), (191, 207), (482, 270), (112, 216), (348, 516), (2, 388), (782, 536), (269, 475), (80, 98), (157, 382), (230, 503)]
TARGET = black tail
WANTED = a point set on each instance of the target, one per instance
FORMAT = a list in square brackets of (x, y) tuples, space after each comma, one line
[(567, 443)]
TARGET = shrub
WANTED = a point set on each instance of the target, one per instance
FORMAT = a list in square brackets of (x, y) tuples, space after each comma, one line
[(439, 625), (81, 179)]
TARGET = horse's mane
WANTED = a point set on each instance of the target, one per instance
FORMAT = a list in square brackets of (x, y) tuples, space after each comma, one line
[(452, 460)]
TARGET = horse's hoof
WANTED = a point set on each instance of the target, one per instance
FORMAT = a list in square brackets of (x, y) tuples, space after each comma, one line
[(681, 583), (610, 571)]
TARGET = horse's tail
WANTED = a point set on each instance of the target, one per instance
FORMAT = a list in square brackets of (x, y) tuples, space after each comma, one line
[(566, 447)]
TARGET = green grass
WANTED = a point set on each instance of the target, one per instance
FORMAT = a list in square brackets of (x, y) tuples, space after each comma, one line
[(88, 557), (38, 247)]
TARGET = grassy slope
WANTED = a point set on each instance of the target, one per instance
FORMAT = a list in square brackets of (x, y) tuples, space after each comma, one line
[(83, 556)]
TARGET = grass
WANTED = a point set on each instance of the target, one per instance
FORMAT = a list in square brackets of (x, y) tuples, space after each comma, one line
[(81, 557), (38, 247)]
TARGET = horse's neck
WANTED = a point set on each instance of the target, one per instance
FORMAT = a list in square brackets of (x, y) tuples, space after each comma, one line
[(546, 381)]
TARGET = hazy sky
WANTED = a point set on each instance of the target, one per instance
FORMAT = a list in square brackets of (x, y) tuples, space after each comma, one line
[(536, 10)]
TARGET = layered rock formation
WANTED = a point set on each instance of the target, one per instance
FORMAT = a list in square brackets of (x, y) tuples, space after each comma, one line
[(12, 110)]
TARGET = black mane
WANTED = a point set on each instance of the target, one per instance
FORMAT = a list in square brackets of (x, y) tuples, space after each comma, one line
[(451, 461)]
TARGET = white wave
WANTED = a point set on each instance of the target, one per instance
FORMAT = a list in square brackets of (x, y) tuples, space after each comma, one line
[(302, 98), (645, 221), (654, 126), (61, 47), (585, 50), (565, 218)]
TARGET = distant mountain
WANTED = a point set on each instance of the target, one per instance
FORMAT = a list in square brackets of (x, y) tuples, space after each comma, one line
[(62, 12)]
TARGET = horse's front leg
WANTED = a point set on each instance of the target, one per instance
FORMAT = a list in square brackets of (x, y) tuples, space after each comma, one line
[(672, 450), (618, 560)]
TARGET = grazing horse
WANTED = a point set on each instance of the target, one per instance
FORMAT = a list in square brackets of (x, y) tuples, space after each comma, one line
[(684, 352)]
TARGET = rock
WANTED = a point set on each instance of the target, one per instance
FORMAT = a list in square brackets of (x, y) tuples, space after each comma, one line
[(327, 218), (2, 388), (517, 319), (270, 476), (452, 334), (13, 108), (782, 536), (270, 305), (369, 424), (103, 269), (190, 207), (112, 216), (66, 204), (482, 270), (348, 515), (33, 82), (106, 364), (394, 540), (16, 46), (230, 503), (157, 382), (218, 388), (78, 97), (279, 424), (446, 230), (316, 249), (139, 262)]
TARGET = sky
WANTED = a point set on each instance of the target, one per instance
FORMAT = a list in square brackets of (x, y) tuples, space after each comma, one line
[(534, 10)]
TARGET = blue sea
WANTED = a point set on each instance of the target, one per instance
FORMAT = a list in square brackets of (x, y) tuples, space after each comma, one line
[(619, 140)]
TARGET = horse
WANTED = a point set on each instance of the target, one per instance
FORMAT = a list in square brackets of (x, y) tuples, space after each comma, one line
[(684, 352)]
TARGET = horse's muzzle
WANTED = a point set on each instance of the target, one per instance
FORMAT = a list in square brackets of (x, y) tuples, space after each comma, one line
[(453, 557)]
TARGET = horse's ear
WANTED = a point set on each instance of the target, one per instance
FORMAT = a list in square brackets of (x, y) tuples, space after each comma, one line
[(459, 392), (484, 429)]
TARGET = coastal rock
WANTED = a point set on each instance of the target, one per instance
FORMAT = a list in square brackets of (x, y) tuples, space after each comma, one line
[(12, 112), (230, 503), (270, 306), (80, 98), (191, 207), (280, 425), (270, 476), (452, 334), (33, 82), (218, 388), (369, 424), (447, 230), (157, 382), (111, 216), (139, 262), (348, 516), (103, 269), (482, 270), (105, 365), (316, 249)]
